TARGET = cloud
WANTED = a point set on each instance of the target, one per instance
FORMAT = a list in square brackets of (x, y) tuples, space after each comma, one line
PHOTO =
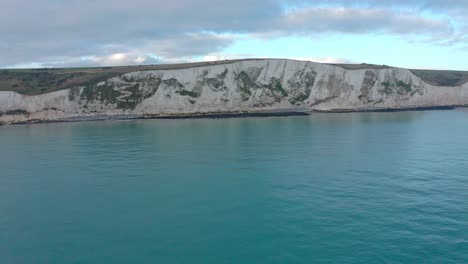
[(436, 5), (116, 59), (354, 20), (175, 48), (45, 32), (331, 60)]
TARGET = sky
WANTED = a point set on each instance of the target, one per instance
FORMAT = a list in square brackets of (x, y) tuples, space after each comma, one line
[(428, 34)]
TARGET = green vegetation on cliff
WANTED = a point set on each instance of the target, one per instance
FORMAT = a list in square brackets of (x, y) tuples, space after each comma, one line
[(188, 93)]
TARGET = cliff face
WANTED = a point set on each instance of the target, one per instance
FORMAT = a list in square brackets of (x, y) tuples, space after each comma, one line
[(251, 85)]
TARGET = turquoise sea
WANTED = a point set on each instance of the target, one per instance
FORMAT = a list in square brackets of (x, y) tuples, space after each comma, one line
[(325, 188)]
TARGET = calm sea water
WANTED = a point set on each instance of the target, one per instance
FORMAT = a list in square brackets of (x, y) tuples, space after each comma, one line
[(347, 188)]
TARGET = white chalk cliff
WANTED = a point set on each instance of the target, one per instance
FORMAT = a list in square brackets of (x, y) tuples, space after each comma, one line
[(241, 86)]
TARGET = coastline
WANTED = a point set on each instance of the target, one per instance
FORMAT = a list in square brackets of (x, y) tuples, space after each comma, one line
[(384, 110), (228, 89), (234, 114)]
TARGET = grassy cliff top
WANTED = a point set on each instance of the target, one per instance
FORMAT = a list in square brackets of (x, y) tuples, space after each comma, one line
[(38, 81), (442, 78), (44, 80)]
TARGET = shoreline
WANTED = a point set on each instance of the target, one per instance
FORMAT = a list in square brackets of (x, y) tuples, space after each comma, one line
[(390, 110), (236, 114), (208, 115)]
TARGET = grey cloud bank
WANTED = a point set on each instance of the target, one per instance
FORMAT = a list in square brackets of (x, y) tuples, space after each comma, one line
[(66, 33)]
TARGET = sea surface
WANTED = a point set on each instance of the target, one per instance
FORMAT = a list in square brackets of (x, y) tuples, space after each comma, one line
[(325, 188)]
